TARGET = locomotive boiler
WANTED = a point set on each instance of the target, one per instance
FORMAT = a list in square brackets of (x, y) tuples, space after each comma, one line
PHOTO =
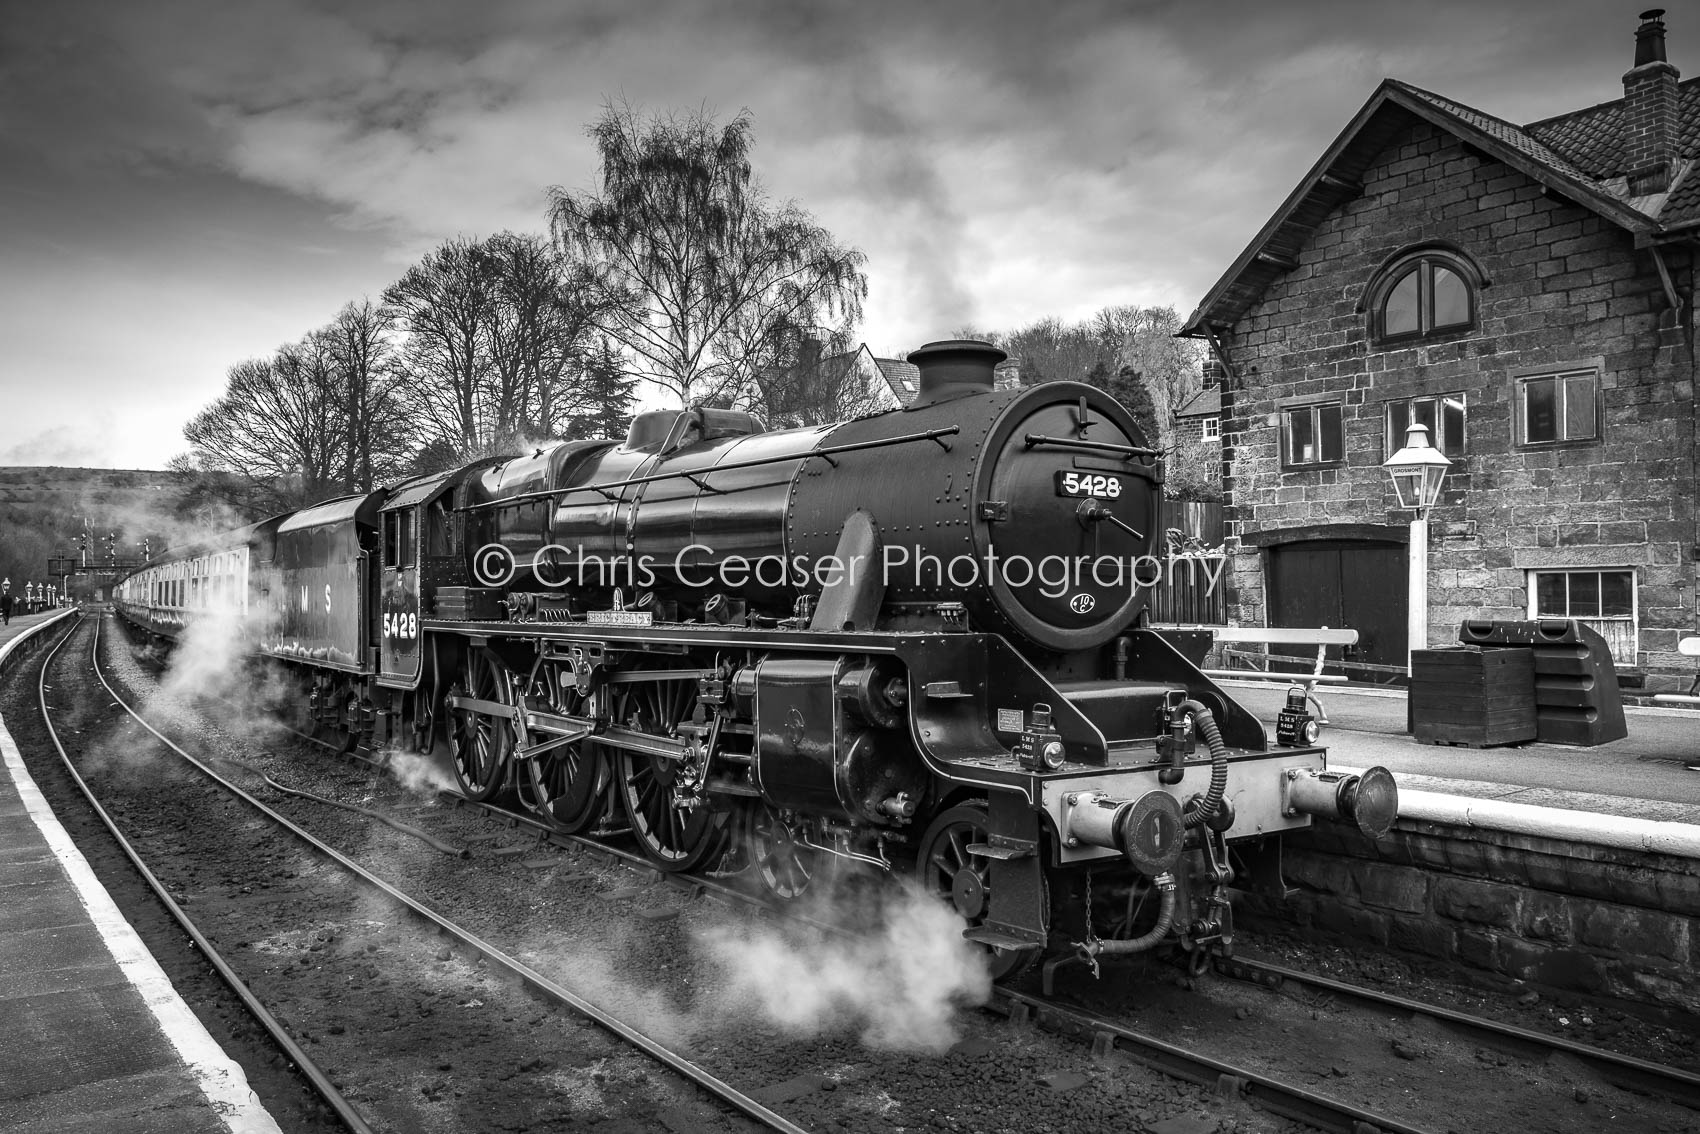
[(905, 644), (1030, 509)]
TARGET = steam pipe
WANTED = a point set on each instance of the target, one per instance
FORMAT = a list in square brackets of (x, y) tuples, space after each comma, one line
[(1165, 883), (1205, 721)]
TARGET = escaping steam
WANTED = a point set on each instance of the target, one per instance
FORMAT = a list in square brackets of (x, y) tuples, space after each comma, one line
[(418, 775), (900, 986)]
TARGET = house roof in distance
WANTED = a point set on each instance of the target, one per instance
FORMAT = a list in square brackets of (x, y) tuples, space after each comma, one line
[(1206, 403), (904, 377)]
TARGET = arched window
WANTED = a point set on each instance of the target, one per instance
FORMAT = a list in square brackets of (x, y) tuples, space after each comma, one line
[(1428, 292)]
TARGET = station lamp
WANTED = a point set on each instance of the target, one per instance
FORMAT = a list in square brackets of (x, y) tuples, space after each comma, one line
[(1417, 470)]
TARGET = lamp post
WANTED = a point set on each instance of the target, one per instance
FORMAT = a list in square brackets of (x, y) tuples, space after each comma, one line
[(1417, 470)]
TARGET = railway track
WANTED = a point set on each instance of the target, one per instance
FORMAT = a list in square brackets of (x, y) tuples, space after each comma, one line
[(1102, 1033), (1109, 1036), (1625, 1071), (304, 1063), (1105, 1035), (537, 982)]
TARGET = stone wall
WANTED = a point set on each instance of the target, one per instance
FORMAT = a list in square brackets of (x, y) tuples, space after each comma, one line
[(1562, 286), (1567, 915)]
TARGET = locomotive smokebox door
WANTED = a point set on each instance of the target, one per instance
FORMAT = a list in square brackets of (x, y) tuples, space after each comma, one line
[(1294, 725)]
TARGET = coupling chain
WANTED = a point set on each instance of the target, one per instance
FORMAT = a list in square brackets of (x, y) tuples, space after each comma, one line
[(1087, 950)]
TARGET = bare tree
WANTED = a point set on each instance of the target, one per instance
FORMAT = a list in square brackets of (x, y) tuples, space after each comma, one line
[(279, 426), (1053, 351), (446, 303), (1116, 349), (539, 319), (379, 435), (1145, 340), (693, 267)]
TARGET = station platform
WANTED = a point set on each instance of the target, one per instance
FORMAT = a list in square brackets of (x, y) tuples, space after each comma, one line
[(93, 1037), (1643, 776)]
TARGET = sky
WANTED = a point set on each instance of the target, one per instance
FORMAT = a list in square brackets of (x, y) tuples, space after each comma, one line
[(185, 184)]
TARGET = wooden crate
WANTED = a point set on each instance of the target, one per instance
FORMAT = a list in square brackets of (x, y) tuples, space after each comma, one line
[(1473, 695)]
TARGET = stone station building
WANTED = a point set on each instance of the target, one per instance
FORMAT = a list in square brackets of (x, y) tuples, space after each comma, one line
[(1526, 292)]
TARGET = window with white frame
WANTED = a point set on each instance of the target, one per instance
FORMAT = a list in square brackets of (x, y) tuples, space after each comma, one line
[(1557, 407), (1603, 600), (1442, 413), (1212, 429)]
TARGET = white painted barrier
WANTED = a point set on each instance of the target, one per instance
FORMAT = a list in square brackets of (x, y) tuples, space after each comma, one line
[(1620, 831)]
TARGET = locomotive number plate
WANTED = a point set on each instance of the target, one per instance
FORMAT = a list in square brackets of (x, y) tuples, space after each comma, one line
[(1106, 486)]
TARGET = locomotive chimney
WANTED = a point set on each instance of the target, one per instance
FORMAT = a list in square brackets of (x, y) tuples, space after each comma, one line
[(954, 368)]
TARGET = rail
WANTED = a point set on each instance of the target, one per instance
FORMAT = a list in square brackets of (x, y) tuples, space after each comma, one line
[(1626, 1071), (675, 1061), (316, 1076), (1321, 638)]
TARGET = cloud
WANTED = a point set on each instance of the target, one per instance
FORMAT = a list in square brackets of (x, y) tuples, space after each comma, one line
[(998, 160)]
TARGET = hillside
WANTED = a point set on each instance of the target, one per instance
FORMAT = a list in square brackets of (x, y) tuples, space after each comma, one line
[(44, 509)]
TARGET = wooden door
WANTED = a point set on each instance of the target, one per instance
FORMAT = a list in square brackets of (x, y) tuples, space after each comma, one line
[(1351, 584)]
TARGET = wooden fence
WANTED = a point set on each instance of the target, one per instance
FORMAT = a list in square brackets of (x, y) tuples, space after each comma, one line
[(1194, 588)]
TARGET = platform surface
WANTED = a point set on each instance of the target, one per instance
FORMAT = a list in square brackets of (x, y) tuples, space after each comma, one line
[(93, 1037), (1644, 775)]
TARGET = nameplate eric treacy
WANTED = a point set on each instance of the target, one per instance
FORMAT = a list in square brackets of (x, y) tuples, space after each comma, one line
[(619, 618)]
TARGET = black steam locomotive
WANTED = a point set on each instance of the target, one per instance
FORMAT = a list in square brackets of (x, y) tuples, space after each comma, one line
[(907, 641)]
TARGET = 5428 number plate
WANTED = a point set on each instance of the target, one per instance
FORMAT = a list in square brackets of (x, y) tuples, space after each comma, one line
[(1107, 486)]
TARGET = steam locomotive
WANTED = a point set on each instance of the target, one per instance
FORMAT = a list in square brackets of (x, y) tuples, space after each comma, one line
[(909, 641)]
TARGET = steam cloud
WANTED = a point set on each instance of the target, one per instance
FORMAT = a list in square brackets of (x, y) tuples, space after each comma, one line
[(418, 775), (900, 988)]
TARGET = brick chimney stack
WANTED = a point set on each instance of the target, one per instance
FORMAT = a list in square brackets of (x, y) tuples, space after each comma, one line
[(1649, 102)]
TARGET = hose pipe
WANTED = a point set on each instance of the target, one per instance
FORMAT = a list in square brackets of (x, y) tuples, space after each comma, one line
[(1198, 812), (1165, 884)]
